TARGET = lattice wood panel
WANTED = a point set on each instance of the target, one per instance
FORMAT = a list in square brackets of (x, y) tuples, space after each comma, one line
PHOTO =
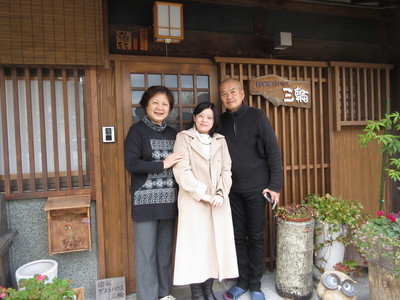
[(302, 133), (361, 91), (44, 144)]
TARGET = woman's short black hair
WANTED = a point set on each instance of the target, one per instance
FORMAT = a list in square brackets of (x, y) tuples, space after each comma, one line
[(153, 90), (202, 106)]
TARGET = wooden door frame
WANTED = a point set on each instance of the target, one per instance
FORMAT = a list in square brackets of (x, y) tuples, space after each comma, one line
[(125, 65)]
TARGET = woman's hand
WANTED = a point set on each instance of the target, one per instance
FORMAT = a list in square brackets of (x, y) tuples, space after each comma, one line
[(172, 159), (217, 200)]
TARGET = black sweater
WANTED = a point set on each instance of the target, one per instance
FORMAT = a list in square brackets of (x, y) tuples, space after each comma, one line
[(153, 189), (254, 149)]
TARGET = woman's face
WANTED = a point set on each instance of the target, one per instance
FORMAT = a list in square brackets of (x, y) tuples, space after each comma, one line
[(204, 121), (157, 108)]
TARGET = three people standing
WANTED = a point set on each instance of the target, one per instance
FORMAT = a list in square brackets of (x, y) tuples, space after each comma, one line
[(221, 205)]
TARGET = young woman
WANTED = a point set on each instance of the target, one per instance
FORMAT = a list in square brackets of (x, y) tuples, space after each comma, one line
[(205, 246), (149, 158)]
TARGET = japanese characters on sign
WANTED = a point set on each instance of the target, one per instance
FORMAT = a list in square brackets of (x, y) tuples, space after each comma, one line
[(124, 40), (111, 288), (280, 91)]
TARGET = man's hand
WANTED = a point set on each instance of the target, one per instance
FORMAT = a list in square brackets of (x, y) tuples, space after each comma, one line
[(274, 195)]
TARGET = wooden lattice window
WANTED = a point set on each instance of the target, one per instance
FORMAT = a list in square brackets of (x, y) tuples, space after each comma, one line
[(360, 91), (188, 91), (43, 144)]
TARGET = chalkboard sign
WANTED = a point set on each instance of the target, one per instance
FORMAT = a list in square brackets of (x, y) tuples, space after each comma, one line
[(110, 288)]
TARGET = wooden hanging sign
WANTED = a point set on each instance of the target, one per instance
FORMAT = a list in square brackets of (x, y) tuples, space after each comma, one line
[(280, 91)]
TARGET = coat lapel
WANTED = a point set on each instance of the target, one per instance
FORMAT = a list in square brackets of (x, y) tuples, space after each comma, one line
[(195, 144), (215, 145)]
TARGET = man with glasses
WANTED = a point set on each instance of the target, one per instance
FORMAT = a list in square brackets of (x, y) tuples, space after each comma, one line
[(257, 176)]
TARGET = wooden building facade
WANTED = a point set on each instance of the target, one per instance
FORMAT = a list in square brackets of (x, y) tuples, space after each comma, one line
[(62, 82)]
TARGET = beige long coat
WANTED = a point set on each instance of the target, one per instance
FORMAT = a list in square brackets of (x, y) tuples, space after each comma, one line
[(205, 241)]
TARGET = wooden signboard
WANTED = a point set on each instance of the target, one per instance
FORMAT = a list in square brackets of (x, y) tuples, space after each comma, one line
[(280, 91), (124, 40)]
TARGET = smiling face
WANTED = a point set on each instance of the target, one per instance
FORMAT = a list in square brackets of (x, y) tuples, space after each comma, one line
[(204, 121), (231, 94), (158, 108)]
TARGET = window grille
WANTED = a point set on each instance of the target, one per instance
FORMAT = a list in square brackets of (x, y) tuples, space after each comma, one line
[(360, 91), (188, 91), (43, 128)]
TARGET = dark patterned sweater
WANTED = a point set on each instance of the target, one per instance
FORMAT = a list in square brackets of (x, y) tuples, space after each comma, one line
[(153, 188), (254, 149)]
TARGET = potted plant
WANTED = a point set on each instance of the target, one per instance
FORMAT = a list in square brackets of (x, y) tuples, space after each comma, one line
[(294, 251), (349, 267), (334, 218), (37, 287), (378, 241), (294, 212), (383, 263)]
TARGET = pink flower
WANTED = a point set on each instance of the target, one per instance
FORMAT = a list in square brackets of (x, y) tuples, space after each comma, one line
[(381, 213), (40, 277), (391, 217), (2, 295)]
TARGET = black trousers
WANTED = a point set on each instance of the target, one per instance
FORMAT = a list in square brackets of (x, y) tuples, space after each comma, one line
[(248, 213)]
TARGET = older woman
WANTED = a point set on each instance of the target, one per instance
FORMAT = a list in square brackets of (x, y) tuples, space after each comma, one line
[(149, 158), (205, 246)]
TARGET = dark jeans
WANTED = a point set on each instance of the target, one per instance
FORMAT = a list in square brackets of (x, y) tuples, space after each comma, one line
[(248, 213)]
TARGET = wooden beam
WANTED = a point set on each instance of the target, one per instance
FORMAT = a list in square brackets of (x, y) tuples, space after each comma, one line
[(317, 7)]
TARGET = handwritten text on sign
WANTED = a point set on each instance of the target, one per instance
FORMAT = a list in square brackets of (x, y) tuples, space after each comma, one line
[(110, 288), (280, 91)]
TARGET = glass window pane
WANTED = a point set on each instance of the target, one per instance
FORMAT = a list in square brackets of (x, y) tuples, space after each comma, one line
[(173, 115), (137, 80), (171, 81), (187, 81), (202, 82), (187, 114), (154, 79), (188, 97), (137, 113), (136, 96), (176, 97), (203, 97), (175, 125)]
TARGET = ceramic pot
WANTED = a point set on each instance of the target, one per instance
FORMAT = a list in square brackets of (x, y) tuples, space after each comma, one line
[(382, 285), (46, 267), (333, 250), (294, 278)]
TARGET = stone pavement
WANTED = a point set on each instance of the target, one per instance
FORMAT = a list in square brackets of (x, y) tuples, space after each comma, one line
[(267, 286)]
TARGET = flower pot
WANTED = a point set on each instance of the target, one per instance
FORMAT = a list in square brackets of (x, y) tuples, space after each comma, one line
[(298, 219), (332, 250), (79, 293), (46, 267), (382, 285), (294, 279)]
